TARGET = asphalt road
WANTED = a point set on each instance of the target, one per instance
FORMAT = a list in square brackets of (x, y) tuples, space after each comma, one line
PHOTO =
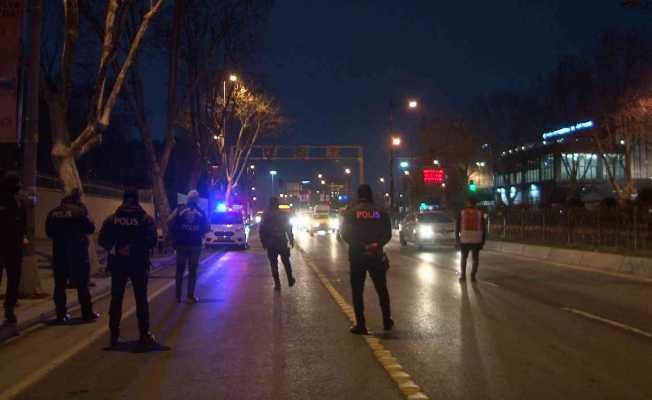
[(526, 330), (241, 341)]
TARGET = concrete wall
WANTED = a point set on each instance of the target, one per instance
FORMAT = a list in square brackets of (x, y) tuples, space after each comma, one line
[(606, 262), (99, 207)]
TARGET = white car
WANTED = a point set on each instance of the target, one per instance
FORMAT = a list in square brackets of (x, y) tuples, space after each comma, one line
[(228, 229), (429, 228)]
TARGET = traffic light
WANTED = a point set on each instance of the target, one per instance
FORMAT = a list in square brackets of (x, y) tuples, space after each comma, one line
[(472, 187)]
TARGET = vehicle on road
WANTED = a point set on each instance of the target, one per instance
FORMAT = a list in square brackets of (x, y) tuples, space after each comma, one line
[(228, 229), (427, 229), (322, 220)]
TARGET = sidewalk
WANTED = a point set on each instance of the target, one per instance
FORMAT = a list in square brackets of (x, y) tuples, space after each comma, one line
[(31, 311)]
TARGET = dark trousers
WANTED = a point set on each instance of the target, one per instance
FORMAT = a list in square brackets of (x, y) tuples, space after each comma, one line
[(272, 255), (79, 275), (187, 256), (138, 276), (474, 249), (378, 276), (12, 264)]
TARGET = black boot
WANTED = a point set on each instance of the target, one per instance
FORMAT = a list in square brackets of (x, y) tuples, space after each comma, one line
[(91, 317), (10, 317), (147, 340), (359, 330), (388, 324), (62, 318)]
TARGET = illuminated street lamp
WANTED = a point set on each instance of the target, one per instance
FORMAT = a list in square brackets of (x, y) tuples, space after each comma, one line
[(435, 162), (323, 182), (253, 188), (404, 164), (273, 173), (406, 173), (382, 180), (396, 141), (347, 171), (252, 166), (233, 78), (320, 176), (413, 103)]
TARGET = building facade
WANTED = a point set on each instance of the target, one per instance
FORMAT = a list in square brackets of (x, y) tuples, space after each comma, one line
[(563, 166)]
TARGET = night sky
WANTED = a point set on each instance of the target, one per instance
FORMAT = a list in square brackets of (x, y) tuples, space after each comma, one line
[(334, 65)]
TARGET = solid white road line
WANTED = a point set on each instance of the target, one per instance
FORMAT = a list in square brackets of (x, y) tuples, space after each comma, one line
[(609, 322)]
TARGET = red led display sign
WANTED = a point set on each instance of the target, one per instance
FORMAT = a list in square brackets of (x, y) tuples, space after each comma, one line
[(433, 176)]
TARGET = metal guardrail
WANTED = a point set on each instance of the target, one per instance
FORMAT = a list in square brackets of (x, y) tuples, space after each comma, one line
[(629, 228)]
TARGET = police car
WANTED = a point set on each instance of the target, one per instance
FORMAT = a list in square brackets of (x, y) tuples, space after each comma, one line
[(428, 228), (228, 228)]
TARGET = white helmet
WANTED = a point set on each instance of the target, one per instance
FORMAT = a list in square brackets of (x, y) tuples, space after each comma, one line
[(193, 197)]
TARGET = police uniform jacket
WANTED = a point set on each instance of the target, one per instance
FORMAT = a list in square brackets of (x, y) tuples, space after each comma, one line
[(364, 223), (69, 226), (275, 230), (129, 234), (12, 224), (188, 226)]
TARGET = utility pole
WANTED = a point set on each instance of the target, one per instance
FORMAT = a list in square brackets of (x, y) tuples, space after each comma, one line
[(30, 284)]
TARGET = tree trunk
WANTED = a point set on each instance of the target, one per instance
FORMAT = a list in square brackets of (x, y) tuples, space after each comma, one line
[(195, 173), (229, 191), (30, 282)]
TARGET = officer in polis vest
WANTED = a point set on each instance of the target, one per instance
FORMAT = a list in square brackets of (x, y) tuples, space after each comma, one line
[(367, 229), (69, 226), (188, 225), (128, 235), (470, 233)]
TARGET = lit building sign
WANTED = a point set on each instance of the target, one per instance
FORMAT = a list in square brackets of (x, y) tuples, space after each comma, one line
[(433, 176), (569, 130)]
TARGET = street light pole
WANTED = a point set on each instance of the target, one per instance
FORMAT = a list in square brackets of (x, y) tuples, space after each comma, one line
[(273, 174)]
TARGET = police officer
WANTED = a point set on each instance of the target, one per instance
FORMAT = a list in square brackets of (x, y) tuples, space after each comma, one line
[(275, 234), (68, 226), (367, 228), (12, 235), (188, 226), (470, 233), (128, 235)]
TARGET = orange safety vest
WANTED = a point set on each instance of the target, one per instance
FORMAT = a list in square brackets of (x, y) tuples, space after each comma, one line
[(471, 226)]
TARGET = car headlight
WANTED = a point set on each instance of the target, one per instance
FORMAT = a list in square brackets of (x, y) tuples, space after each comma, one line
[(426, 231), (334, 223)]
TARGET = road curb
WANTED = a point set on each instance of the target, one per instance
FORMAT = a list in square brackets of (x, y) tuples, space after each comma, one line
[(637, 267)]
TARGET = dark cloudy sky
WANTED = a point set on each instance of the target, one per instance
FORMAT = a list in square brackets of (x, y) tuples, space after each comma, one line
[(334, 65)]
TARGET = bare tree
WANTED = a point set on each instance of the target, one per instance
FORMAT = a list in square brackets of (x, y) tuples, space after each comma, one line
[(56, 89), (622, 100), (256, 116), (57, 82)]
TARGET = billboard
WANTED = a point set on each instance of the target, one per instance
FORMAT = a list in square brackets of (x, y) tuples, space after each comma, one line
[(11, 12), (434, 176)]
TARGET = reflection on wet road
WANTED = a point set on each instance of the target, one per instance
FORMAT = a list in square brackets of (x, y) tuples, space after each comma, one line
[(509, 336)]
